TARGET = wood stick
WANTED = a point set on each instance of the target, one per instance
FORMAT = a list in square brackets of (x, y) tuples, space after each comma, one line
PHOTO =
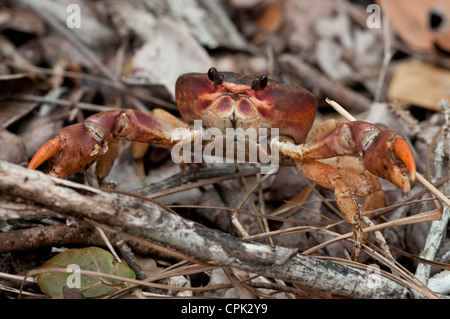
[(152, 222)]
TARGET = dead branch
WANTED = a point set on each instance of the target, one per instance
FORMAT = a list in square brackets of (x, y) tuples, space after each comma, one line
[(150, 221), (36, 237), (315, 81)]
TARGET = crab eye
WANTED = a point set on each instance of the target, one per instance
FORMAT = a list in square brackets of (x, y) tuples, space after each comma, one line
[(260, 84), (214, 76)]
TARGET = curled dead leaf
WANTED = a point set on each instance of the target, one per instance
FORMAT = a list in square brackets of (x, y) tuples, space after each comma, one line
[(420, 84), (424, 25)]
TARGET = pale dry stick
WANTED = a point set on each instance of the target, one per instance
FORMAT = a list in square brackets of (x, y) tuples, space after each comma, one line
[(100, 80), (152, 222), (102, 276), (433, 190), (17, 291), (267, 230), (262, 208), (437, 229), (107, 243), (234, 219), (182, 268), (403, 275), (399, 273), (80, 105), (419, 218), (388, 54), (198, 184), (252, 202), (285, 231), (241, 229)]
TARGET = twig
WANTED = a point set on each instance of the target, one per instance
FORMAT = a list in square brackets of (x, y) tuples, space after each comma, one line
[(234, 219), (38, 237), (190, 175), (91, 77), (388, 53), (427, 216), (130, 259), (314, 80), (80, 105), (152, 222), (107, 243), (199, 183), (47, 15), (437, 229)]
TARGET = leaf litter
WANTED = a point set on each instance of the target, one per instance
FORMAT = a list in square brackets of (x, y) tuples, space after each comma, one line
[(148, 44)]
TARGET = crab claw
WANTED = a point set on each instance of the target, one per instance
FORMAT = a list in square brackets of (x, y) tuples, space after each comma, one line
[(71, 150), (388, 155), (47, 151), (78, 146)]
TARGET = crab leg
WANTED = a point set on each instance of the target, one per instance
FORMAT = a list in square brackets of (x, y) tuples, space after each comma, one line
[(78, 146), (383, 153), (349, 167), (344, 190)]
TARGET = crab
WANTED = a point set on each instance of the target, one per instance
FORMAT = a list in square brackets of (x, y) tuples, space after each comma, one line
[(225, 100)]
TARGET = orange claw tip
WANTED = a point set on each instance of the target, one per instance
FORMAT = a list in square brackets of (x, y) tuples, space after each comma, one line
[(402, 152), (50, 149)]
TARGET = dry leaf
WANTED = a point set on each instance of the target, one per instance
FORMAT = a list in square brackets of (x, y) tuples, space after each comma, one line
[(209, 22), (13, 148), (421, 24), (171, 52), (420, 84), (206, 20), (91, 32), (300, 17), (272, 17), (344, 48), (27, 21)]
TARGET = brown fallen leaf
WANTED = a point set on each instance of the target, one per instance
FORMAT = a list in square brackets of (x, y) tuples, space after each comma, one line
[(27, 21), (420, 84), (171, 52), (300, 17), (13, 148), (422, 24), (72, 293), (15, 83), (272, 18)]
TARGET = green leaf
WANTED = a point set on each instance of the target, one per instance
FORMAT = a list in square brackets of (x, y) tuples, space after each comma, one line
[(91, 258)]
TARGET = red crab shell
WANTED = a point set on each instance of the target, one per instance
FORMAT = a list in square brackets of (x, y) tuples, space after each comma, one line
[(234, 103)]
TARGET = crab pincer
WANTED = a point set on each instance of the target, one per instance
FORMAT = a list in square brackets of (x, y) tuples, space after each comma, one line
[(78, 146)]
